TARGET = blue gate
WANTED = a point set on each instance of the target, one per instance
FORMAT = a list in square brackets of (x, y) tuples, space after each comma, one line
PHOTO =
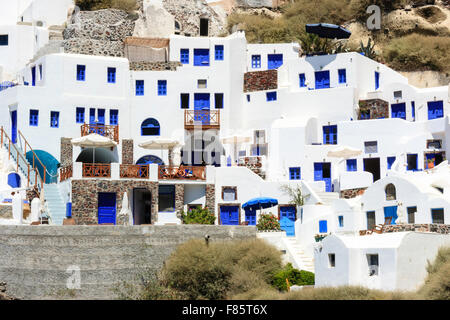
[(391, 212), (250, 216), (322, 79), (229, 215), (106, 208), (287, 220)]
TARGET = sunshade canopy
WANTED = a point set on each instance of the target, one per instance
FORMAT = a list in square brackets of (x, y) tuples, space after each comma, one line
[(344, 152), (236, 139), (159, 143), (260, 203), (94, 140), (329, 31)]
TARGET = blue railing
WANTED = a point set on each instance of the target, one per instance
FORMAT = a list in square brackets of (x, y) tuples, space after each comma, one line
[(6, 84)]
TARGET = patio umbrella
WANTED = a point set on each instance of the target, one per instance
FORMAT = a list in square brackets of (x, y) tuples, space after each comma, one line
[(260, 203), (329, 31), (159, 144), (235, 140), (94, 140), (344, 152)]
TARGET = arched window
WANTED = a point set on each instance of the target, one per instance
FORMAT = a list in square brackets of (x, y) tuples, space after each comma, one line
[(390, 192), (150, 159), (150, 127)]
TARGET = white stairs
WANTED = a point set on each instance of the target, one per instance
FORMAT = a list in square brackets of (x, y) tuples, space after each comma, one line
[(327, 198), (300, 259), (56, 205)]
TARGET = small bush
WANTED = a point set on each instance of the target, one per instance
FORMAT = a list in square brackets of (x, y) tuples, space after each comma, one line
[(437, 283), (268, 222), (90, 5), (198, 216), (295, 277)]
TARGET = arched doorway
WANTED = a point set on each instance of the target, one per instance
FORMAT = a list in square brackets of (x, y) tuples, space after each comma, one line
[(149, 159), (49, 161)]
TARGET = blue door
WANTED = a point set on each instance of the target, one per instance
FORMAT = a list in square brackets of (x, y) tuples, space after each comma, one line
[(14, 180), (322, 79), (106, 208), (435, 109), (229, 215), (250, 216), (398, 110), (391, 212), (322, 172), (274, 61), (201, 108), (287, 220), (323, 226), (14, 126), (91, 116)]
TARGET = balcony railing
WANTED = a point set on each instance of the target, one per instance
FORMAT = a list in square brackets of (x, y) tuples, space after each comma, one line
[(205, 119), (134, 171), (182, 172), (66, 173), (96, 170), (111, 132)]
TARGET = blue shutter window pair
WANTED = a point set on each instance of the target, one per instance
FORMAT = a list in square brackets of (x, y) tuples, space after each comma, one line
[(342, 74), (111, 75), (271, 96), (114, 117), (294, 173), (81, 73), (184, 56), (302, 80), (34, 118), (54, 119), (162, 87), (256, 61), (351, 165), (219, 52), (79, 115), (330, 134), (139, 87)]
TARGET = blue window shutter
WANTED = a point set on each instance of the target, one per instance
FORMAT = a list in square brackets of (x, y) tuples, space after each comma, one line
[(162, 87), (111, 75), (341, 221), (81, 72), (139, 87), (54, 119), (351, 165), (114, 117), (201, 57), (342, 74), (101, 116), (184, 56), (435, 109), (330, 134), (294, 173), (92, 116), (274, 61), (322, 79), (323, 228), (219, 52), (256, 61), (271, 96), (34, 118), (302, 80), (377, 80), (398, 110), (33, 76), (79, 115)]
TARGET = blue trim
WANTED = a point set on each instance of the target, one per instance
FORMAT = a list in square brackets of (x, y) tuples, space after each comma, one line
[(162, 87), (271, 96), (34, 118), (256, 61), (111, 75), (295, 173), (81, 72), (54, 119), (219, 52), (139, 87), (184, 56)]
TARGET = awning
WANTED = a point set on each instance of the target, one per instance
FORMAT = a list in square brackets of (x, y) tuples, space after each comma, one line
[(160, 143), (94, 140), (260, 203), (329, 31), (344, 152)]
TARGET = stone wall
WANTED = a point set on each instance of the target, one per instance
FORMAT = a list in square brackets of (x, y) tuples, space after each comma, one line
[(155, 66), (36, 260), (351, 193), (210, 202), (127, 151), (85, 197), (179, 199), (260, 80), (378, 108), (436, 228), (6, 212), (98, 32), (254, 164), (66, 157)]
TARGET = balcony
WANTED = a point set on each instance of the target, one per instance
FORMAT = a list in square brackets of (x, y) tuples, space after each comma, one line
[(65, 173), (181, 173), (111, 132), (96, 170), (134, 171), (204, 119)]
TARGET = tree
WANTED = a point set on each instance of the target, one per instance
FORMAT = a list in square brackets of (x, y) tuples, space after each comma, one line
[(295, 193)]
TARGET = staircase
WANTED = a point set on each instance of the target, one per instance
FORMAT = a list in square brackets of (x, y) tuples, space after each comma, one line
[(56, 205), (327, 198), (54, 45), (301, 260)]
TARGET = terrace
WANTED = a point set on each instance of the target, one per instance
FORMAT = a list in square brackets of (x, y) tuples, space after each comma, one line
[(204, 119)]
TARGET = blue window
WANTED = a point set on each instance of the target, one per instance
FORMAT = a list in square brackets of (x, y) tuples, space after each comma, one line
[(274, 61), (111, 75), (341, 221), (219, 52), (411, 160), (330, 134), (79, 115), (114, 117), (248, 98), (377, 80), (295, 173), (3, 39), (33, 76), (271, 96), (184, 56), (92, 116), (323, 228), (184, 100), (139, 87), (162, 87), (256, 61), (435, 109), (322, 79), (81, 72), (342, 74), (201, 57), (40, 72), (54, 119), (413, 110), (150, 127), (302, 80), (351, 165), (101, 116), (398, 110), (34, 118), (390, 162)]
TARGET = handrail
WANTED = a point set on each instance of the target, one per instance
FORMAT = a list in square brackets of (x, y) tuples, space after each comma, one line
[(34, 156), (19, 154)]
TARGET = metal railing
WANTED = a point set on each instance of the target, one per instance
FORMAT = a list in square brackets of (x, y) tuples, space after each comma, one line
[(206, 119), (182, 172), (109, 131), (134, 171), (96, 170)]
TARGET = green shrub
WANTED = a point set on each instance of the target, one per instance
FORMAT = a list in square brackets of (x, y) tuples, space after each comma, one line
[(295, 277), (90, 5), (437, 283), (268, 222), (198, 216)]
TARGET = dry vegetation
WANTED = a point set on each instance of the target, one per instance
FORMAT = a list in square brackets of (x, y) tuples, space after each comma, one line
[(88, 5)]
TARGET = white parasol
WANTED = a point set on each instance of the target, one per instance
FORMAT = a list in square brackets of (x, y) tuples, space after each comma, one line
[(235, 140), (94, 140), (344, 152), (125, 211), (401, 214)]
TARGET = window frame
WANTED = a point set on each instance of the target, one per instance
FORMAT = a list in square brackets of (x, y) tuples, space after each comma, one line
[(52, 114), (34, 118), (81, 72), (184, 56), (139, 87), (185, 95), (162, 87), (114, 117), (111, 75), (219, 51), (77, 113), (295, 173), (256, 61), (218, 100), (342, 76)]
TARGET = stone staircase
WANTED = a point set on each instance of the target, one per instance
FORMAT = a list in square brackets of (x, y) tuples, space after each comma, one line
[(55, 203), (327, 198), (300, 259), (54, 45)]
